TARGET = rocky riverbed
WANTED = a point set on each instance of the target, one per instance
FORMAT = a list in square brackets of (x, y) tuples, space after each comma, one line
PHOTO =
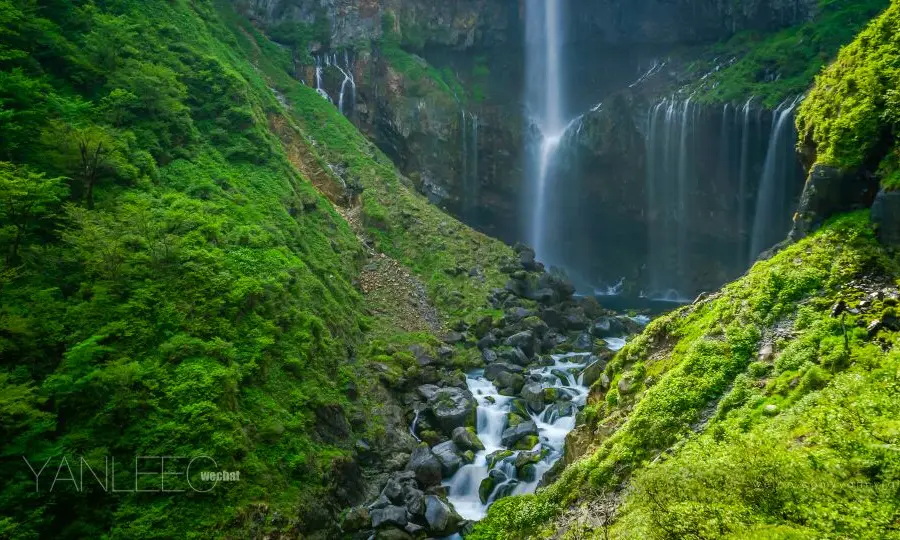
[(496, 429)]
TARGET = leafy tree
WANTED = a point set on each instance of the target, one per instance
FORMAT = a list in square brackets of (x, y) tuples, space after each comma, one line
[(87, 153), (26, 198)]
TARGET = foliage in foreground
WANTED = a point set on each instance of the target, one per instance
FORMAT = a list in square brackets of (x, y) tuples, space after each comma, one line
[(173, 284), (824, 409), (852, 114)]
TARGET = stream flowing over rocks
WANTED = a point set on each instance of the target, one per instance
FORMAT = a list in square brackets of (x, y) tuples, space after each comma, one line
[(497, 429)]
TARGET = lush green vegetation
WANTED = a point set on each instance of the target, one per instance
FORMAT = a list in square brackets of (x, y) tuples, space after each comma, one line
[(172, 282), (782, 65), (852, 114), (824, 408), (422, 77)]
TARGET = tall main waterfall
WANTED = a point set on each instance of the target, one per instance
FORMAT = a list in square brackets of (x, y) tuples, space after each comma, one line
[(544, 98)]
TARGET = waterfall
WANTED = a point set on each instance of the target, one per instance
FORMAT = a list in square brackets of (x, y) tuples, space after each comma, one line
[(544, 37), (469, 156), (771, 203), (707, 170), (347, 72), (742, 178), (320, 85), (343, 64)]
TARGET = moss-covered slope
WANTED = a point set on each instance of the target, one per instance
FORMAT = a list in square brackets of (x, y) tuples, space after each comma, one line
[(852, 115), (175, 281), (760, 411)]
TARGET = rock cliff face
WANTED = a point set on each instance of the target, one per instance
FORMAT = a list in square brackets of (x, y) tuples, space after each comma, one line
[(438, 86)]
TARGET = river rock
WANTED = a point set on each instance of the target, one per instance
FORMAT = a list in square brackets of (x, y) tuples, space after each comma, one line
[(393, 533), (526, 259), (448, 454), (512, 435), (452, 407), (425, 465), (492, 371), (592, 372), (414, 499), (553, 318), (466, 439), (533, 394), (486, 488), (583, 343), (512, 381), (515, 356), (523, 340), (489, 356), (427, 391), (486, 342), (356, 519), (575, 319), (625, 384), (561, 375), (442, 519), (516, 314), (389, 515), (609, 327)]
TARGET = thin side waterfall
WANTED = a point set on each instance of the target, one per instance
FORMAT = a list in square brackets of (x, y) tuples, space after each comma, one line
[(771, 204), (320, 85), (347, 72), (742, 187), (470, 180), (720, 184), (545, 101), (341, 63)]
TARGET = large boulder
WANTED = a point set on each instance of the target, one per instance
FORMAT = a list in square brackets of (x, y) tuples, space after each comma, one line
[(448, 454), (583, 343), (533, 394), (389, 515), (466, 439), (886, 217), (514, 434), (609, 327), (511, 381), (442, 519), (523, 340), (515, 356), (492, 371), (592, 372), (452, 408), (356, 519), (830, 191), (426, 466)]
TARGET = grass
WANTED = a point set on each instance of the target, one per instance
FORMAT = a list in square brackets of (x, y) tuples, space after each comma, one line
[(781, 65), (703, 356)]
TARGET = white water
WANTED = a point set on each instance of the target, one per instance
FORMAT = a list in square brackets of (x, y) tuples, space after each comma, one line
[(491, 421), (346, 101), (771, 197), (545, 98), (470, 180)]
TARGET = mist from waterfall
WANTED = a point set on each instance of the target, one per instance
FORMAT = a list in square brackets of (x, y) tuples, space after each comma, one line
[(471, 186), (544, 99)]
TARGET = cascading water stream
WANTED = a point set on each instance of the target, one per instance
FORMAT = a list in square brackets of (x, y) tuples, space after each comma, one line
[(493, 408)]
